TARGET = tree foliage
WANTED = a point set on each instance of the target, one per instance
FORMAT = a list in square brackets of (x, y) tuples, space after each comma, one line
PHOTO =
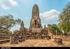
[(5, 31), (64, 19), (6, 22), (54, 29)]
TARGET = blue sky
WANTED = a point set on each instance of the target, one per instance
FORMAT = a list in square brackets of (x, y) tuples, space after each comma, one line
[(49, 9)]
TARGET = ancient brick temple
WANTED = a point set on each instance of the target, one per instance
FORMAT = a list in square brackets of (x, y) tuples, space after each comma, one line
[(35, 31), (35, 24)]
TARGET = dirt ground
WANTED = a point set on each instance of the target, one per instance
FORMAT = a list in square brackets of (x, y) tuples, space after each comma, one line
[(37, 43)]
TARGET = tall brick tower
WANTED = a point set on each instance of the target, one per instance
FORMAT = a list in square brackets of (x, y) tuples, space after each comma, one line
[(35, 23)]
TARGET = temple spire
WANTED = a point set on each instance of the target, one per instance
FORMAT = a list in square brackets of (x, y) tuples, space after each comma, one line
[(35, 20)]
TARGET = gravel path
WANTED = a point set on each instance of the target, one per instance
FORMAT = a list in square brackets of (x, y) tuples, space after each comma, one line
[(37, 43)]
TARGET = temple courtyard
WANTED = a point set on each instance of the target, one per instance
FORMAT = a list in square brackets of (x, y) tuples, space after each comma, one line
[(37, 43)]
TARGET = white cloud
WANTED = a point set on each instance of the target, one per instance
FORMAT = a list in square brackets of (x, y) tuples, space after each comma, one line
[(13, 2), (50, 14), (8, 4), (4, 6), (49, 17)]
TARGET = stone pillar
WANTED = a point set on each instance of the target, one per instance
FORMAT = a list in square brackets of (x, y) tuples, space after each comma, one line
[(13, 40)]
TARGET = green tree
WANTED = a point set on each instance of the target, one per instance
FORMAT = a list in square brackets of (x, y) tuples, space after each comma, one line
[(6, 22), (64, 19), (54, 29)]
